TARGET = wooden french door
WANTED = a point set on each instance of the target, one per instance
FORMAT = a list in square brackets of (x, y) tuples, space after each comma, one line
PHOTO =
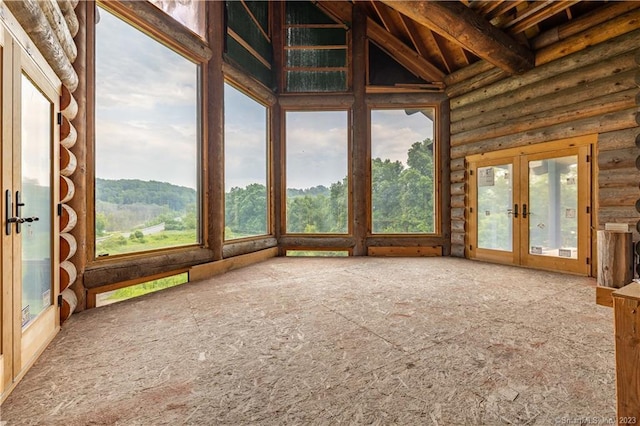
[(29, 251), (532, 208)]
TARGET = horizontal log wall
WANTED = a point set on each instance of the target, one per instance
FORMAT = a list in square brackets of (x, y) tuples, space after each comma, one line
[(571, 93)]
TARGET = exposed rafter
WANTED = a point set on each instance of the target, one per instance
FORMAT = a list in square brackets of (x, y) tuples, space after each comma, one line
[(402, 53), (456, 22)]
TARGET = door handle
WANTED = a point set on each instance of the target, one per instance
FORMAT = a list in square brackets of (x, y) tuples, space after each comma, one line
[(7, 212), (524, 211), (515, 210), (15, 219)]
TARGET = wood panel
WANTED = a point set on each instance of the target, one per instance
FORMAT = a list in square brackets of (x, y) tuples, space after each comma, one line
[(208, 270), (429, 251), (626, 304)]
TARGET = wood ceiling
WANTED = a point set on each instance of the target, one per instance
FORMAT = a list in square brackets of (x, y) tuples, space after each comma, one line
[(434, 39)]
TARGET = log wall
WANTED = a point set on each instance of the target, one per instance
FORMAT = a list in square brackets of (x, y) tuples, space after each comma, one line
[(572, 92)]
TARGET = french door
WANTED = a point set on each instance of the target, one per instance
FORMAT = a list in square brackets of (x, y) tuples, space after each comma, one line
[(29, 251), (532, 209)]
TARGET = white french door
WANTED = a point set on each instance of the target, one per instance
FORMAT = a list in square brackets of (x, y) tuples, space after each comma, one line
[(30, 137), (532, 208)]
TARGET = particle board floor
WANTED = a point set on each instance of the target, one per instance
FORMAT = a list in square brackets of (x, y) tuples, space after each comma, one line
[(438, 341)]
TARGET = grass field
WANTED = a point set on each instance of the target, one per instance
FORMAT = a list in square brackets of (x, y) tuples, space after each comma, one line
[(118, 244)]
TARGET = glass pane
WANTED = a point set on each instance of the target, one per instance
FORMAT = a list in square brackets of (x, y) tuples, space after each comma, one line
[(147, 142), (553, 207), (316, 178), (189, 13), (36, 196), (403, 171), (245, 170), (495, 201)]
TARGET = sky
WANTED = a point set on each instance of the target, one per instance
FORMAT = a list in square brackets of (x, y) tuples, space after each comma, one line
[(146, 107), (146, 122)]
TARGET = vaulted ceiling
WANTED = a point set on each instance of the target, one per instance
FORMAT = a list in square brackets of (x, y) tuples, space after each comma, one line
[(436, 38)]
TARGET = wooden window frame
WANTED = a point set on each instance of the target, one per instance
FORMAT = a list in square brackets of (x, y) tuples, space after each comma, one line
[(258, 95), (156, 24), (439, 155), (302, 104)]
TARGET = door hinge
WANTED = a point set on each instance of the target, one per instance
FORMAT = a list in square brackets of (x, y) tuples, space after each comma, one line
[(60, 301), (588, 261), (588, 210), (470, 209), (470, 172), (59, 119), (59, 209), (588, 158), (470, 247)]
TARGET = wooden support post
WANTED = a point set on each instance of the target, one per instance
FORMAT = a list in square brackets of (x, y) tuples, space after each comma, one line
[(615, 259), (278, 188), (626, 306), (360, 145), (76, 142), (214, 156)]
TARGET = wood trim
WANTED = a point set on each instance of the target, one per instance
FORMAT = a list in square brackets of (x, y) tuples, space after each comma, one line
[(537, 148), (604, 296), (208, 270), (156, 23), (93, 292), (248, 47), (237, 248), (249, 85), (426, 251), (255, 21), (116, 270)]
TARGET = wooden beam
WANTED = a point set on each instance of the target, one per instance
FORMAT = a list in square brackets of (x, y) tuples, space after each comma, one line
[(402, 53), (540, 15), (458, 23), (208, 270), (590, 20)]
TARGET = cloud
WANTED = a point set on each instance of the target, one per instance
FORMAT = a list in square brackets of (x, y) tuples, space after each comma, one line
[(146, 107), (393, 132)]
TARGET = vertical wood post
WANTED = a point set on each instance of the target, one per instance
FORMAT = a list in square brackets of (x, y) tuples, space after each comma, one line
[(626, 305), (277, 159), (82, 149), (214, 132), (615, 259), (359, 143)]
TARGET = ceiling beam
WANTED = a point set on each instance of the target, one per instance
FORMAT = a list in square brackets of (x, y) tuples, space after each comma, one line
[(456, 22), (402, 53)]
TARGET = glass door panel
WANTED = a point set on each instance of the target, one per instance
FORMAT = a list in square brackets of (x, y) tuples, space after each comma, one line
[(553, 207), (34, 202), (495, 202)]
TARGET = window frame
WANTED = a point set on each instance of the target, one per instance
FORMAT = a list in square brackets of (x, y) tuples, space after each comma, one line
[(269, 178), (283, 161), (189, 50), (439, 172)]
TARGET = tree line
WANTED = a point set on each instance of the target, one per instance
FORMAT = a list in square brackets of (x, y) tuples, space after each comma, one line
[(402, 201)]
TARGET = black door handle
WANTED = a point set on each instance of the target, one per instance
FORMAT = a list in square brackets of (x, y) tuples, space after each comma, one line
[(515, 210), (524, 211)]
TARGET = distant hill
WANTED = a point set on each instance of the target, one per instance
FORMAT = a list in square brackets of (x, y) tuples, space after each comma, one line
[(135, 191)]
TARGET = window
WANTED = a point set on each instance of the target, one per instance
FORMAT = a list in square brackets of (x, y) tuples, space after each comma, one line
[(317, 169), (403, 171), (245, 156), (190, 13), (147, 138)]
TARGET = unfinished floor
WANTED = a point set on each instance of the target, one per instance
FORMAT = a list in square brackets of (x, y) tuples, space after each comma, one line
[(325, 341)]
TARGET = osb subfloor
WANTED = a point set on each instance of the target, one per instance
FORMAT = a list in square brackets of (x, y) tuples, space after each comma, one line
[(328, 341)]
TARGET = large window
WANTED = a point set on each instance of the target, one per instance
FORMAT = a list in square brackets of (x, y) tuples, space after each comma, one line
[(403, 171), (147, 141), (245, 156), (317, 181)]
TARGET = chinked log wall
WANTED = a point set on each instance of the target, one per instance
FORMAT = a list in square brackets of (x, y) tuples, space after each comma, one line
[(584, 83)]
